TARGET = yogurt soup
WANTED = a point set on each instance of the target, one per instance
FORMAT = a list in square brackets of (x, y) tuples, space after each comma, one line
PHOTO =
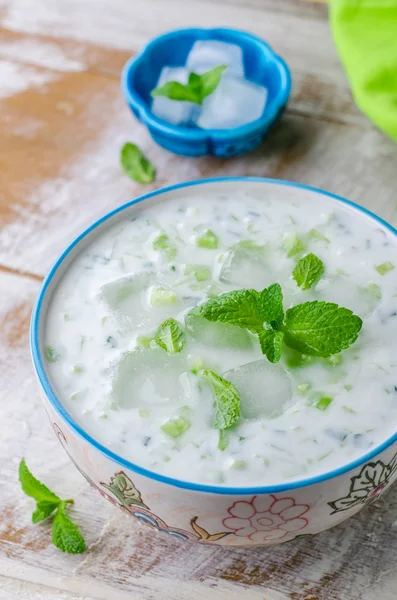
[(136, 361)]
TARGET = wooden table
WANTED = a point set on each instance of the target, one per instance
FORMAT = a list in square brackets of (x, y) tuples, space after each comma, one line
[(63, 121)]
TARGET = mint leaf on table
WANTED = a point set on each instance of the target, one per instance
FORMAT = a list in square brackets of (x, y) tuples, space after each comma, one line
[(271, 343), (65, 534), (226, 400), (320, 328), (43, 510), (135, 164), (170, 336), (236, 308), (33, 487), (271, 305), (308, 271), (197, 88)]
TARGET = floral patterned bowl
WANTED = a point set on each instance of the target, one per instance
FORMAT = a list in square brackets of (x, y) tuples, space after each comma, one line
[(211, 514)]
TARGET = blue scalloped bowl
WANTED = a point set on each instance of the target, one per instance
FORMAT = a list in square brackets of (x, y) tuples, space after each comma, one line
[(261, 64)]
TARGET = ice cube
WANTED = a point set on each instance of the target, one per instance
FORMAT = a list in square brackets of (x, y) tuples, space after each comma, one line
[(235, 102), (125, 297), (150, 378), (174, 111), (246, 268), (339, 289), (207, 54), (217, 335), (265, 389)]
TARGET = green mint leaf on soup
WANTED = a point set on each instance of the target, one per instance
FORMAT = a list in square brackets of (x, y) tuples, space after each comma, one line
[(43, 510), (223, 440), (271, 342), (33, 487), (308, 271), (65, 534), (208, 240), (226, 400), (135, 164), (197, 88), (384, 268), (170, 336), (270, 305), (163, 244), (238, 308), (320, 328), (176, 427)]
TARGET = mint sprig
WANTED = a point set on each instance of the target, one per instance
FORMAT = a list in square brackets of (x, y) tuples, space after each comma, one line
[(226, 400), (320, 328), (65, 534), (197, 88), (313, 328), (308, 271), (170, 337), (135, 164)]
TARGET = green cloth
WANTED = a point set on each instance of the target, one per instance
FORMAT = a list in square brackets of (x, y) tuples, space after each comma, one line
[(365, 33)]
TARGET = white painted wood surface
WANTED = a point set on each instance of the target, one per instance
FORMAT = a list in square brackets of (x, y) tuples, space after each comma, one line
[(62, 122)]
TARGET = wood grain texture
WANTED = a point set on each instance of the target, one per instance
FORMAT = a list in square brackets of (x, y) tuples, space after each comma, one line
[(62, 123)]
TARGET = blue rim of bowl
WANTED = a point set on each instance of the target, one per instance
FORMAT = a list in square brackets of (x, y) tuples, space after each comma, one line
[(58, 407), (202, 135)]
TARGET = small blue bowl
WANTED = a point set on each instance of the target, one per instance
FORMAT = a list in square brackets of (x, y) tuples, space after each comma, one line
[(261, 64)]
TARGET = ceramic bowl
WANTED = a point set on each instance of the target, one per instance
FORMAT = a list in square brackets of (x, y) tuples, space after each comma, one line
[(210, 514), (261, 65)]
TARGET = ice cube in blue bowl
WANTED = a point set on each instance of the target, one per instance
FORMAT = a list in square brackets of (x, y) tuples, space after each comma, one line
[(262, 66)]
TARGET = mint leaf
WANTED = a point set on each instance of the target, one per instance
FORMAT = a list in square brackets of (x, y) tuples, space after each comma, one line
[(170, 336), (223, 440), (320, 328), (271, 342), (210, 80), (176, 427), (226, 400), (65, 534), (197, 88), (33, 487), (271, 306), (135, 164), (178, 91), (43, 510), (236, 308), (163, 244), (208, 240), (308, 271)]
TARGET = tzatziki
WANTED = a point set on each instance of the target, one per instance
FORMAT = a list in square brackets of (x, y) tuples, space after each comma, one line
[(152, 393)]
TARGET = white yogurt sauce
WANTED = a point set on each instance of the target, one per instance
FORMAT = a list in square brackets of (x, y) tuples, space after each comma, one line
[(101, 318)]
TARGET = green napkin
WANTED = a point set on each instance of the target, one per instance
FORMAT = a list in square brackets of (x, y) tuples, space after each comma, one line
[(365, 33)]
